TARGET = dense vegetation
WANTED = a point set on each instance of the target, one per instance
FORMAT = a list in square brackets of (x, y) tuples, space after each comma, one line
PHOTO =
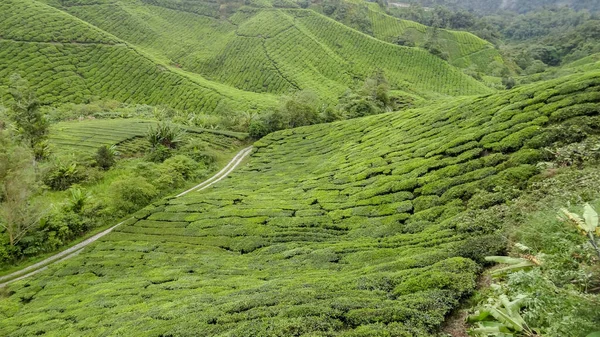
[(354, 228), (59, 181), (461, 49), (391, 167), (530, 41), (520, 6)]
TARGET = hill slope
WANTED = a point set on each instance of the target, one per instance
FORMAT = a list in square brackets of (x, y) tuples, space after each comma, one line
[(520, 6), (462, 49), (68, 60), (138, 52), (346, 229), (272, 50)]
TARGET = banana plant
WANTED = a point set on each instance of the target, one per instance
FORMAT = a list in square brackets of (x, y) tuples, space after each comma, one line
[(588, 224), (514, 263), (500, 317)]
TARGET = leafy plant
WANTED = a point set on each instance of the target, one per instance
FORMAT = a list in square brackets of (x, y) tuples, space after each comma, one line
[(514, 263), (77, 199), (165, 135), (63, 174), (106, 156), (588, 224), (29, 122), (500, 317)]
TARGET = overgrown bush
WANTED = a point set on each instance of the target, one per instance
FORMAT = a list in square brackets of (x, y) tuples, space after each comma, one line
[(166, 135), (63, 173), (159, 154), (176, 170), (130, 193), (106, 157)]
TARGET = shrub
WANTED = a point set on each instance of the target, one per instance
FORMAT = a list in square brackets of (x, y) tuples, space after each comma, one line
[(176, 170), (158, 154), (200, 152), (258, 129), (62, 174), (477, 248), (165, 135), (105, 157), (182, 165), (131, 193)]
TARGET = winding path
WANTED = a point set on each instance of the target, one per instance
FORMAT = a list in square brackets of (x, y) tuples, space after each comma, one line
[(73, 251)]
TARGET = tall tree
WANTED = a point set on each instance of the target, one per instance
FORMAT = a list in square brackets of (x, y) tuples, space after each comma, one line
[(25, 113), (18, 216)]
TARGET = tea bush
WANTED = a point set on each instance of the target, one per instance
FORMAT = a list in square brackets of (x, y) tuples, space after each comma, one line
[(361, 227)]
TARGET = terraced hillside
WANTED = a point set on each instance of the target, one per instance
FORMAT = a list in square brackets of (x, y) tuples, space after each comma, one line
[(272, 50), (85, 137), (68, 60), (147, 52), (463, 49), (344, 229)]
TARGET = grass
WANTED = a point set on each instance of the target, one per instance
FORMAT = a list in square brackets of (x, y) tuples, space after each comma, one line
[(343, 229), (563, 293)]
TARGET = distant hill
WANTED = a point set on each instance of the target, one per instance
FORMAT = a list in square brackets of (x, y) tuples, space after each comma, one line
[(199, 56), (69, 60), (461, 49), (519, 6)]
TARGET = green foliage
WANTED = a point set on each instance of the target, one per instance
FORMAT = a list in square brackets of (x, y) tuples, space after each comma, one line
[(18, 182), (29, 122), (78, 199), (242, 62), (299, 109), (460, 48), (588, 224), (131, 193), (175, 171), (62, 173), (358, 227), (105, 157), (165, 135), (514, 264), (501, 317)]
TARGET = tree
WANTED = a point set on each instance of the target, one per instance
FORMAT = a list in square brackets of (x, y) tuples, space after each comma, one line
[(370, 99), (105, 157), (29, 122), (18, 216), (301, 109), (508, 82)]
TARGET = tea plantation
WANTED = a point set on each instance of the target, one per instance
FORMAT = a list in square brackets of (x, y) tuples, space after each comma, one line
[(85, 137), (463, 49), (73, 61), (158, 53), (343, 229), (278, 50)]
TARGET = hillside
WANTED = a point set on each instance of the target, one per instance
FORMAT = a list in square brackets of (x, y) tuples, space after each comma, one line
[(68, 60), (343, 229), (492, 6), (253, 49), (462, 49), (148, 52)]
